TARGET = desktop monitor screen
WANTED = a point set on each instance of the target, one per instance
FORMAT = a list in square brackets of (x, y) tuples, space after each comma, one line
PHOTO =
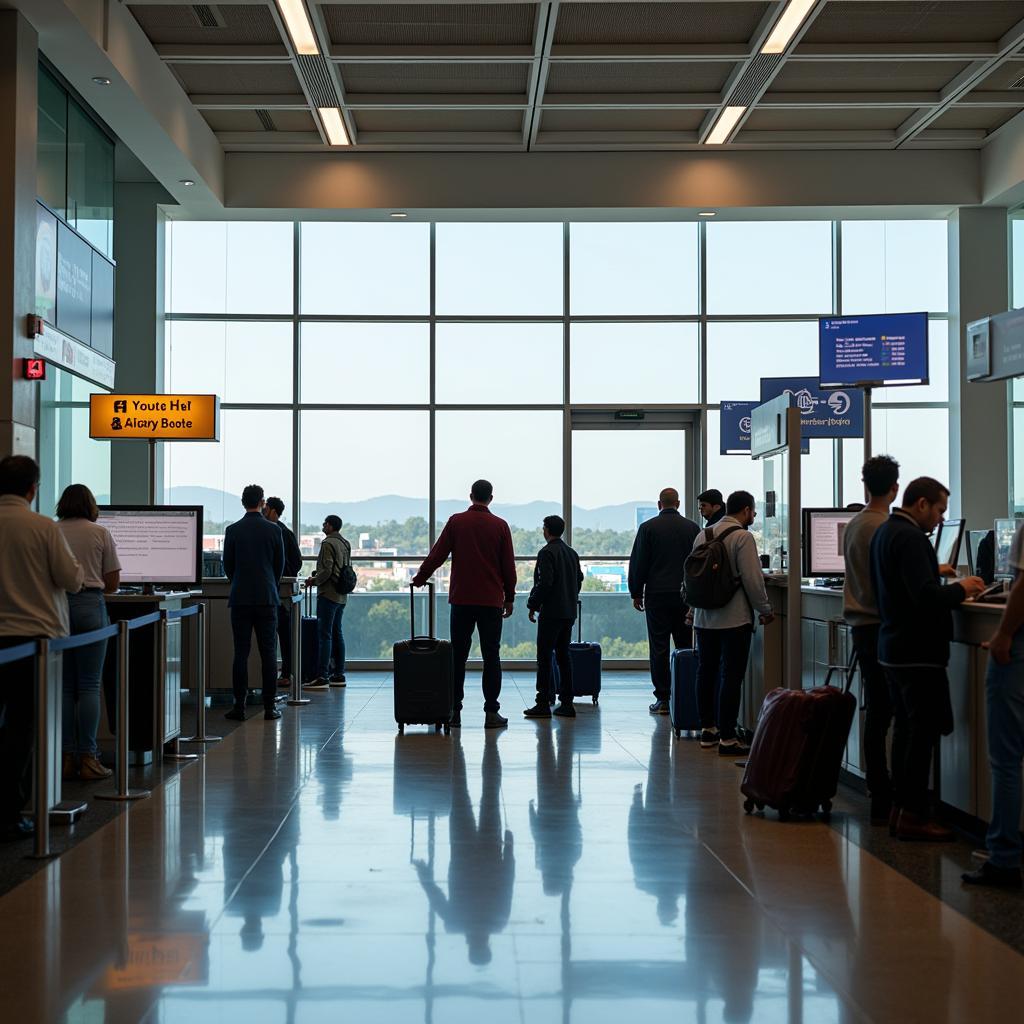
[(948, 539), (823, 540), (157, 543), (884, 348), (1005, 530)]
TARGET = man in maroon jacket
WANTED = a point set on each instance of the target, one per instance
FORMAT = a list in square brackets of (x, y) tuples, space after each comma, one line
[(481, 592)]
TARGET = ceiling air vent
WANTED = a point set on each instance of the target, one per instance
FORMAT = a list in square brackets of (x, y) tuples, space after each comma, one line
[(208, 16), (317, 76), (266, 120)]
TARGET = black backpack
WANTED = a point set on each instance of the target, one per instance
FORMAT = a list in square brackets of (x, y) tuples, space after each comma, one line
[(708, 580), (345, 581)]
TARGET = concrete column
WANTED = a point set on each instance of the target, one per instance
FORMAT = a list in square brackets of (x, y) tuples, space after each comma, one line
[(138, 324), (19, 57), (978, 414)]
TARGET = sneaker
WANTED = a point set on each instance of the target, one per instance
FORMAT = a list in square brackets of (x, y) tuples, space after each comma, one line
[(492, 720), (659, 707), (317, 684), (565, 711), (337, 680), (996, 877), (271, 714), (91, 769), (732, 748), (744, 735), (69, 769), (284, 682), (236, 714), (538, 711), (708, 738)]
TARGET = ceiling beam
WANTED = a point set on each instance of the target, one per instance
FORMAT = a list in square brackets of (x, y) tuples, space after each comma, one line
[(201, 53), (265, 101)]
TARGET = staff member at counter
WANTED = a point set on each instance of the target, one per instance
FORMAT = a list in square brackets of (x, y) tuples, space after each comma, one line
[(913, 645), (37, 570)]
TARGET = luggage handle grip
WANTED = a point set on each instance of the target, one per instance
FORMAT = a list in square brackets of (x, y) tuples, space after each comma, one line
[(579, 620), (430, 610)]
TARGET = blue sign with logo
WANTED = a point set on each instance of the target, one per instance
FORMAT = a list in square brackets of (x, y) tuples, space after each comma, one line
[(734, 429), (822, 413)]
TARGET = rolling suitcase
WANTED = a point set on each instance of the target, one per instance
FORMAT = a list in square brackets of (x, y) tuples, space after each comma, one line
[(682, 701), (309, 639), (797, 749), (585, 659), (424, 675)]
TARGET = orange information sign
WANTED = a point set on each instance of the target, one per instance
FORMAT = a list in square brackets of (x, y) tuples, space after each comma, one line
[(154, 417)]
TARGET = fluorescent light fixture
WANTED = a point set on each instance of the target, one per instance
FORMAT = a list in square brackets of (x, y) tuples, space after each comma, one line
[(707, 213), (296, 18), (101, 80), (399, 216), (724, 125), (186, 181), (333, 125), (786, 27)]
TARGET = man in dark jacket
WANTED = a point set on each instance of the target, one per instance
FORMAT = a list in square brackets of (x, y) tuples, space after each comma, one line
[(557, 579), (272, 511), (711, 506), (254, 563), (661, 547), (913, 645)]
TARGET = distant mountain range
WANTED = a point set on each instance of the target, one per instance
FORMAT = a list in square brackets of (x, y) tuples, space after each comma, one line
[(219, 505)]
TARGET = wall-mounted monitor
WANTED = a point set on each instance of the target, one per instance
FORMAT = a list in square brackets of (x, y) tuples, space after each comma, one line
[(157, 543), (948, 539), (883, 349), (823, 531)]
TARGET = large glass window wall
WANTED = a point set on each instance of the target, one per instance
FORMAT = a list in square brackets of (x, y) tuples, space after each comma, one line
[(376, 370)]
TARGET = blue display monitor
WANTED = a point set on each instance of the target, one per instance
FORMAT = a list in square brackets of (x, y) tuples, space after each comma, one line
[(889, 349)]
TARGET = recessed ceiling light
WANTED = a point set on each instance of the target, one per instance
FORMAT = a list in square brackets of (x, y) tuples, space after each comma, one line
[(186, 181), (399, 216), (100, 80), (724, 125), (707, 213), (300, 28), (333, 125), (786, 27)]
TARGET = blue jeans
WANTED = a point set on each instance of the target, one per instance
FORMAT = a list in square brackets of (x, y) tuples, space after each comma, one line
[(1004, 696), (331, 659), (83, 672)]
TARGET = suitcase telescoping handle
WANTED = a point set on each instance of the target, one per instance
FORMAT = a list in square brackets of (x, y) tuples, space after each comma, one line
[(430, 611), (579, 620)]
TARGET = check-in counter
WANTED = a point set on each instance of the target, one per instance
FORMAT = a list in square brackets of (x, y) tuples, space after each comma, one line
[(215, 593), (964, 782)]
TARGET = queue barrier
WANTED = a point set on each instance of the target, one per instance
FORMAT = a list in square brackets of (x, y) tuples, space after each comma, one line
[(202, 657), (296, 699)]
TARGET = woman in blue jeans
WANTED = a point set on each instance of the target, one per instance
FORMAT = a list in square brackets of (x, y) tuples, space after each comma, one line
[(96, 552)]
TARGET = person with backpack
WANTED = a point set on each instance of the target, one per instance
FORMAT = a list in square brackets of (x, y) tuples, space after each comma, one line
[(334, 579), (273, 510), (724, 585)]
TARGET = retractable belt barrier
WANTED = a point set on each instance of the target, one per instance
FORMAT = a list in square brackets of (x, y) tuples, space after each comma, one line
[(296, 699)]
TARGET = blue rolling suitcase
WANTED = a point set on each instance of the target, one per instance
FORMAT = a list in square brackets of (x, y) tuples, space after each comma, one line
[(682, 702), (586, 664)]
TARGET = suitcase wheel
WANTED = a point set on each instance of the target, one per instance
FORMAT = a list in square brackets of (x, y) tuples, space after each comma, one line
[(748, 804), (401, 728)]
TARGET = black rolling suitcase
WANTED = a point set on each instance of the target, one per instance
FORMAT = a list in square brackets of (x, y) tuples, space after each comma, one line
[(586, 664), (682, 702), (309, 639), (424, 674)]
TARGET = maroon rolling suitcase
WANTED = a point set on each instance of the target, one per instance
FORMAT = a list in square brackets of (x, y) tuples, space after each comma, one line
[(797, 749)]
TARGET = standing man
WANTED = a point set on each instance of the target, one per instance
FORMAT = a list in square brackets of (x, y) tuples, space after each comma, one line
[(254, 563), (660, 549), (913, 645), (1004, 699), (711, 506), (481, 593), (557, 579), (860, 609), (335, 553), (37, 572), (724, 634), (273, 510)]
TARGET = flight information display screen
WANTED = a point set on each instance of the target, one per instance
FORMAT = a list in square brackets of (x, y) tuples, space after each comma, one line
[(888, 349), (156, 544)]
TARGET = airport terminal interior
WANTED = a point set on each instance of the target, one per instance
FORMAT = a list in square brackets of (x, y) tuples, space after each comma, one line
[(364, 254)]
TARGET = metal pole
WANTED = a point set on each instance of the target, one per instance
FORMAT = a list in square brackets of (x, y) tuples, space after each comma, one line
[(41, 847), (867, 425), (122, 792), (152, 472), (296, 699), (163, 656), (201, 658)]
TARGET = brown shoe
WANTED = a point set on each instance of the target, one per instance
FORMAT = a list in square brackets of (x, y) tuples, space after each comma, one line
[(91, 769), (69, 769), (914, 828)]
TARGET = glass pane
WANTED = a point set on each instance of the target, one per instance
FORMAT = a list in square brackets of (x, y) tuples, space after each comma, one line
[(1017, 259), (479, 364), (240, 361), (52, 144), (519, 452), (916, 438), (625, 363), (381, 269), (381, 495), (624, 269), (377, 612), (740, 354), (90, 180), (1017, 498), (255, 447), (616, 478), (937, 390), (895, 266), (229, 267), (365, 363), (499, 269), (770, 267), (853, 462)]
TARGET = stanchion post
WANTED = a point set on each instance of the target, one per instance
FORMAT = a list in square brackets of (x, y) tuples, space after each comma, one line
[(121, 766), (163, 655), (296, 699), (201, 660), (41, 846)]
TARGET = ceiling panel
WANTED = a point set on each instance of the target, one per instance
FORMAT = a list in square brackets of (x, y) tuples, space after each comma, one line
[(238, 79), (988, 118), (439, 120), (430, 24), (458, 79), (181, 23), (610, 23), (233, 120), (621, 120), (292, 120), (866, 75), (1004, 77), (827, 120), (624, 78)]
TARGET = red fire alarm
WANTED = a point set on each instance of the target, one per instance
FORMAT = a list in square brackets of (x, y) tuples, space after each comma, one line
[(34, 369)]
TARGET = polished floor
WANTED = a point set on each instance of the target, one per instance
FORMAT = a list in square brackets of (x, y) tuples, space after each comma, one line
[(322, 868)]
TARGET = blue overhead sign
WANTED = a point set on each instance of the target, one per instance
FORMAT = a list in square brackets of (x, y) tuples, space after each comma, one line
[(822, 413)]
